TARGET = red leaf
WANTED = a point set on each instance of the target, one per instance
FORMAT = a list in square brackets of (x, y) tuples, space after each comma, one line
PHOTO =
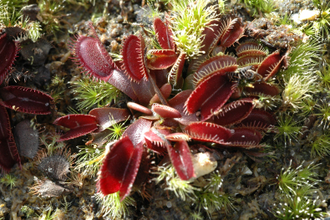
[(160, 59), (121, 81), (210, 32), (154, 140), (250, 60), (250, 48), (259, 119), (245, 138), (79, 125), (143, 90), (92, 56), (175, 75), (234, 112), (133, 58), (210, 95), (177, 102), (108, 116), (262, 88), (138, 107), (8, 52), (178, 137), (218, 64), (120, 167), (233, 31), (165, 111), (181, 159), (271, 65), (137, 130), (208, 132), (8, 150), (163, 34), (166, 90), (26, 100)]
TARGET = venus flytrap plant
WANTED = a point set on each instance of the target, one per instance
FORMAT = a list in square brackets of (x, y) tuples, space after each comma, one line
[(166, 124)]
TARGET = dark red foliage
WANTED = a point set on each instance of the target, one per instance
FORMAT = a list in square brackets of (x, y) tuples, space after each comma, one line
[(25, 100), (164, 34), (100, 64), (210, 95), (8, 52), (78, 124), (166, 125), (133, 58), (120, 167), (234, 112), (181, 158), (160, 59), (17, 98), (9, 154)]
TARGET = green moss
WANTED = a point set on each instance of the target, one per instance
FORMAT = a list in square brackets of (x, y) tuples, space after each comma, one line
[(298, 89), (298, 207), (189, 18), (211, 198), (260, 6), (34, 31), (287, 129), (91, 94), (300, 180), (117, 130), (323, 113), (89, 160), (297, 193), (9, 180), (172, 182), (111, 206), (303, 59), (321, 25), (320, 145), (27, 211), (324, 75), (49, 141), (10, 12)]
